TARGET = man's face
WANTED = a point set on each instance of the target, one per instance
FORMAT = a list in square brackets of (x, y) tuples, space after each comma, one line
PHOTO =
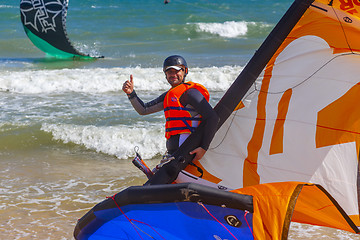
[(175, 77)]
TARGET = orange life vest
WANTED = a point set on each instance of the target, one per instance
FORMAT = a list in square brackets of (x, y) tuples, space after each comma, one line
[(178, 118)]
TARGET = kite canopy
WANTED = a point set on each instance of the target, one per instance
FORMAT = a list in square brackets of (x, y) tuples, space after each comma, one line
[(44, 24), (299, 120)]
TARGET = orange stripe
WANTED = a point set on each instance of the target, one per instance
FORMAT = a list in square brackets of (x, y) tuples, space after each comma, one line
[(338, 123), (250, 175), (277, 140)]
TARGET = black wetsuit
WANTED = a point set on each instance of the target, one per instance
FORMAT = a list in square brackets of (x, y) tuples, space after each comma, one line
[(191, 98)]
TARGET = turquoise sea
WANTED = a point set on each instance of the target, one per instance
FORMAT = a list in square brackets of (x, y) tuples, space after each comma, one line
[(68, 132)]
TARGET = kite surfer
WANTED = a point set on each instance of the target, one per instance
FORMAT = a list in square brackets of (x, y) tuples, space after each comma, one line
[(185, 105), (166, 1)]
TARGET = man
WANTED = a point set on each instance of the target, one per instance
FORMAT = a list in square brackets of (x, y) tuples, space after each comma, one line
[(185, 105)]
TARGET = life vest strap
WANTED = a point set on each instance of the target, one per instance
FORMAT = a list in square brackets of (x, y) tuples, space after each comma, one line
[(183, 118), (192, 129), (179, 108)]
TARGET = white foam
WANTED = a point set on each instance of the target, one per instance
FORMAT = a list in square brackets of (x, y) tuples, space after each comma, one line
[(91, 50), (229, 29), (38, 190), (100, 80), (113, 140), (214, 78)]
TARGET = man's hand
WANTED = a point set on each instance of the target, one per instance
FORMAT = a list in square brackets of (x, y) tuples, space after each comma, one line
[(128, 86), (199, 153)]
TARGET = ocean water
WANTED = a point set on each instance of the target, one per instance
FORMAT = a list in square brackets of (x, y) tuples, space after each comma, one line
[(68, 132)]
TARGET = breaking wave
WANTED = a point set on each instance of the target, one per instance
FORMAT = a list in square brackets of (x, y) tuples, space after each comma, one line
[(229, 29), (100, 80)]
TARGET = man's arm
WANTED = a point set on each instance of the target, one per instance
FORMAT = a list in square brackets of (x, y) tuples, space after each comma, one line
[(142, 108), (209, 117)]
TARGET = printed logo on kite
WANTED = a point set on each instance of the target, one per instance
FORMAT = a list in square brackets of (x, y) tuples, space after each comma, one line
[(347, 19), (220, 187), (233, 221), (44, 24), (36, 14)]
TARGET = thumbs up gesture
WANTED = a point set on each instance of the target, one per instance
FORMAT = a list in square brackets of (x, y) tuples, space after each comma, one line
[(128, 86)]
